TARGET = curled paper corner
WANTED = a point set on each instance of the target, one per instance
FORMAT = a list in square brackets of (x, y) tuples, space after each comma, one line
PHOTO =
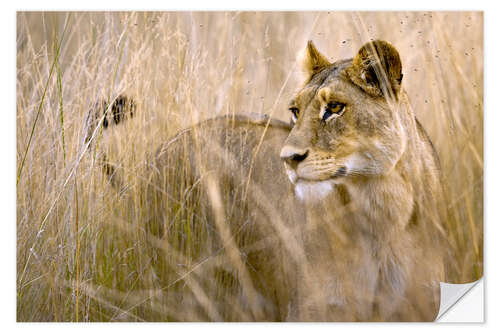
[(461, 302)]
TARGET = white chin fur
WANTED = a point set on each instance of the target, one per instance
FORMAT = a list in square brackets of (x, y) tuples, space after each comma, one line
[(313, 191)]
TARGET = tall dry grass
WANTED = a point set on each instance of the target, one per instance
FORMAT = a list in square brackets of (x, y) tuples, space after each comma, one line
[(82, 252)]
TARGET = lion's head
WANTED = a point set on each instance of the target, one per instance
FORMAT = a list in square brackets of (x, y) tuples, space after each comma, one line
[(346, 119)]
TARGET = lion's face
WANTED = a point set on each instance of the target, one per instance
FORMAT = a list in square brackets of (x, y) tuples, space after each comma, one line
[(346, 123)]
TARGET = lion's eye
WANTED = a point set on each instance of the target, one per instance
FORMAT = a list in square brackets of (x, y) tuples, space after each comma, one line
[(295, 113), (332, 110)]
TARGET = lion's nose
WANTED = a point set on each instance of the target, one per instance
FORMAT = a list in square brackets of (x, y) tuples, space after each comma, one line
[(293, 156)]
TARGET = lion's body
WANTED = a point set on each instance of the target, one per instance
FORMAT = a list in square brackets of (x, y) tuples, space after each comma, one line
[(228, 170), (353, 233)]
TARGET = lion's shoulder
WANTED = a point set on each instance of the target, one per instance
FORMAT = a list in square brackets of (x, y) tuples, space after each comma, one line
[(256, 120)]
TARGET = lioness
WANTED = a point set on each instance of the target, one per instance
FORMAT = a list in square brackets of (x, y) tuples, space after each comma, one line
[(354, 131), (333, 217)]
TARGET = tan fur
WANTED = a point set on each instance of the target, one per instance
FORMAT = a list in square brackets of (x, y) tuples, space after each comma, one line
[(235, 185), (353, 236), (375, 150)]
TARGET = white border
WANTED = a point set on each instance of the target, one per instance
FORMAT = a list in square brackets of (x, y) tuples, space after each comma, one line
[(469, 307), (187, 5)]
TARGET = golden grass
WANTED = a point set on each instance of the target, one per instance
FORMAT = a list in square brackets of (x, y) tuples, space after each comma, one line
[(81, 253)]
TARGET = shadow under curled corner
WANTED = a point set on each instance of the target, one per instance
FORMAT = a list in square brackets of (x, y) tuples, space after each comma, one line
[(462, 302)]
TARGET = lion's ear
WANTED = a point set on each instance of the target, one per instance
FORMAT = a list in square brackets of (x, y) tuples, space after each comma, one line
[(376, 69), (313, 61)]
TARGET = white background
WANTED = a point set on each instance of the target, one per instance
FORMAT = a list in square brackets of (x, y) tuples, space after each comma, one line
[(469, 308)]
